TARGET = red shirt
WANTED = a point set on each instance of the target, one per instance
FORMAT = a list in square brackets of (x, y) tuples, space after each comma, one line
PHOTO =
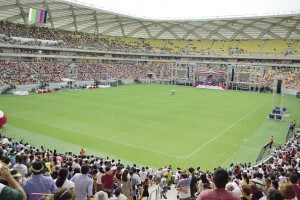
[(215, 194), (108, 180), (297, 190)]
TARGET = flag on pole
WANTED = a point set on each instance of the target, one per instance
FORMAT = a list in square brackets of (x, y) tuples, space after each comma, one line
[(36, 15)]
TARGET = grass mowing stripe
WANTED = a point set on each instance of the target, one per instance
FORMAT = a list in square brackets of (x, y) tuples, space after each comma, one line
[(241, 119), (187, 121), (136, 129), (79, 132)]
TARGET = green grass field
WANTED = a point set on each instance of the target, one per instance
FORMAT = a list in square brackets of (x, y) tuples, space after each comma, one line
[(145, 124)]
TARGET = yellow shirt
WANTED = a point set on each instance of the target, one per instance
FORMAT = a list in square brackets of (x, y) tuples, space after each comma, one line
[(48, 165)]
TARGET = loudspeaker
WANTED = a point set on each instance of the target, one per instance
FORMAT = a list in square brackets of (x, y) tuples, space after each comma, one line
[(279, 82), (232, 74)]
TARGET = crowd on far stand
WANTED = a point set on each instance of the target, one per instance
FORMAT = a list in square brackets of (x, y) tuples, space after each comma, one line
[(30, 173), (22, 73)]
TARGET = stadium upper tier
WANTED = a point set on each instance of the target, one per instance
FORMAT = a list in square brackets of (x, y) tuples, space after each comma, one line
[(70, 39), (70, 16)]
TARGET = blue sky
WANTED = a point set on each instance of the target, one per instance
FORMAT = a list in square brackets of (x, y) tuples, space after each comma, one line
[(178, 9)]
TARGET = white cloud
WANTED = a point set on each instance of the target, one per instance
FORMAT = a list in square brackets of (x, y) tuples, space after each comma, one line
[(196, 8)]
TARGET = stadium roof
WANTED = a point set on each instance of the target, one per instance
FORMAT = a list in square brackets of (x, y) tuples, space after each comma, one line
[(76, 17)]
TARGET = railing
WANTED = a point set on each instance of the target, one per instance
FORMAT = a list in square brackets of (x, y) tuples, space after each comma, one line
[(154, 195), (262, 152), (289, 135), (263, 157)]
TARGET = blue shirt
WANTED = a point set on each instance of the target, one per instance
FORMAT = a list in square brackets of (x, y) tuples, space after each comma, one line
[(38, 184), (83, 186)]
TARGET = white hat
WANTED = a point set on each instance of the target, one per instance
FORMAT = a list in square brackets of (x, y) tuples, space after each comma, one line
[(101, 196)]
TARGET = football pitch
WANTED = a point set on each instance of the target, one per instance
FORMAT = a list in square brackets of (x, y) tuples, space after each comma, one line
[(145, 124)]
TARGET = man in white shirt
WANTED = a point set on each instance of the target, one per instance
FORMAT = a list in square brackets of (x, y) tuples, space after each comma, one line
[(136, 177), (20, 167), (76, 164), (83, 184), (150, 171), (158, 176), (183, 185), (143, 175)]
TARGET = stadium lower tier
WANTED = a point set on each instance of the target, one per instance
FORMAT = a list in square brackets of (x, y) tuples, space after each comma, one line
[(22, 73)]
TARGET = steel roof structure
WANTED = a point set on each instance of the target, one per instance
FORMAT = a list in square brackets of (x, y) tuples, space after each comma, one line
[(76, 17)]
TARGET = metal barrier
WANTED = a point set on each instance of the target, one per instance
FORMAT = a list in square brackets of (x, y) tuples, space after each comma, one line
[(155, 194), (262, 152), (289, 135)]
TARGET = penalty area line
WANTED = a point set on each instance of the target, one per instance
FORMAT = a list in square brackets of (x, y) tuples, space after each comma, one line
[(110, 140), (224, 131)]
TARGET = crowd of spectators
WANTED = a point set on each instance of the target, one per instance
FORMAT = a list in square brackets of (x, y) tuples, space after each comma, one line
[(72, 39), (32, 172), (67, 39), (21, 73)]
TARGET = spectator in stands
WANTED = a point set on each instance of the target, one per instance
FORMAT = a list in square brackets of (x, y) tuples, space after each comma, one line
[(99, 175), (83, 184), (294, 180), (158, 176), (275, 184), (119, 195), (203, 183), (220, 180), (245, 179), (246, 193), (20, 167), (257, 194), (135, 176), (76, 164), (13, 191), (257, 180), (101, 195), (63, 182), (274, 194), (233, 187), (145, 188), (183, 185), (267, 186), (38, 183), (288, 191), (143, 175), (108, 179), (193, 184), (125, 181), (133, 186)]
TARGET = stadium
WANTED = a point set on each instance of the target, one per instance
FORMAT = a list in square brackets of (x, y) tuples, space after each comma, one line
[(105, 105)]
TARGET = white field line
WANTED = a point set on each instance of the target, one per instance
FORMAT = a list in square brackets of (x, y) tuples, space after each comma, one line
[(126, 132), (243, 144), (224, 131), (73, 125), (79, 132)]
